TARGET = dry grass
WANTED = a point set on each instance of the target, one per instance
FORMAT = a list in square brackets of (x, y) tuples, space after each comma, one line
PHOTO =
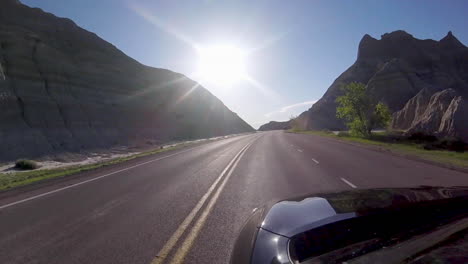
[(458, 159), (15, 179)]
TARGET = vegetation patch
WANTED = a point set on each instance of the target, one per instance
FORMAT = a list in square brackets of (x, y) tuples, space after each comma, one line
[(24, 164), (363, 114), (15, 179), (361, 111), (449, 153)]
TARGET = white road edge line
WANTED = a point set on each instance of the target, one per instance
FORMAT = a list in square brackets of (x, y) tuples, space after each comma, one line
[(90, 180), (316, 161), (166, 249), (184, 249), (349, 183)]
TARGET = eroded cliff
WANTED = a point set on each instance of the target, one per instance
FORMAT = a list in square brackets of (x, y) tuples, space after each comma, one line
[(406, 74), (65, 90)]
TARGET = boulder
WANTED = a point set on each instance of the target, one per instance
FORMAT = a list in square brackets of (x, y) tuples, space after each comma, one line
[(429, 121), (454, 122), (416, 106), (443, 113)]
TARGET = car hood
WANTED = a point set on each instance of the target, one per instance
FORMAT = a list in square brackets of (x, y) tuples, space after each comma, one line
[(319, 224), (294, 215)]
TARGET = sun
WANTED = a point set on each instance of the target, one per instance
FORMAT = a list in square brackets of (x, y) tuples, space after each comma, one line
[(222, 64)]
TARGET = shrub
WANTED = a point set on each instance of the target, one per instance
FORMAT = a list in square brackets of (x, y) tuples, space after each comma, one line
[(457, 145), (343, 134), (25, 164), (430, 146), (447, 144), (389, 137), (422, 137)]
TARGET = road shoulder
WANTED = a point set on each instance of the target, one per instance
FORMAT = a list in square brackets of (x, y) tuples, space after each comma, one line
[(385, 149), (76, 174)]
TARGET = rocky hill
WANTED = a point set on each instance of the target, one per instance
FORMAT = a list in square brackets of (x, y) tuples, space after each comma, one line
[(274, 125), (424, 82), (65, 90)]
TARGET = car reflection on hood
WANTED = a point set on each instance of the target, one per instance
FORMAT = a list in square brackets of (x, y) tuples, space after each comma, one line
[(359, 226)]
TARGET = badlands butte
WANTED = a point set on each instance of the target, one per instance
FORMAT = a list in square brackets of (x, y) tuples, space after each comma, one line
[(423, 82), (65, 90)]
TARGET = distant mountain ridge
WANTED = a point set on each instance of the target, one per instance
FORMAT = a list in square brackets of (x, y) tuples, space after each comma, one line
[(424, 82), (65, 90), (275, 125)]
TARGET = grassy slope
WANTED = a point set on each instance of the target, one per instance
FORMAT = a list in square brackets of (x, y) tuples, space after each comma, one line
[(446, 157), (10, 180)]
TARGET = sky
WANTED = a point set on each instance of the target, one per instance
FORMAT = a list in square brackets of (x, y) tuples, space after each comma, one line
[(295, 49)]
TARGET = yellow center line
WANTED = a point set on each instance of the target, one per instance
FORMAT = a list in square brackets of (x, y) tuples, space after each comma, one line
[(164, 252), (195, 231)]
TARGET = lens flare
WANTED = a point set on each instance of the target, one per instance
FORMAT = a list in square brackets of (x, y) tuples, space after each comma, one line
[(221, 64)]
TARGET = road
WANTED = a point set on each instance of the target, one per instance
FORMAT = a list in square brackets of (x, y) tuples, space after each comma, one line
[(189, 203)]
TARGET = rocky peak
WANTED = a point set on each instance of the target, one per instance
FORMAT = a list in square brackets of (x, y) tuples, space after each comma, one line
[(366, 38), (397, 35), (367, 43), (407, 74), (450, 41), (386, 48)]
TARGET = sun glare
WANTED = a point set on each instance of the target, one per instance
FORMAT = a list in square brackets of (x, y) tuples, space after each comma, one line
[(221, 64)]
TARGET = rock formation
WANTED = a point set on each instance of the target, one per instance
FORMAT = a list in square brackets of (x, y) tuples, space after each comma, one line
[(274, 125), (65, 90), (424, 82)]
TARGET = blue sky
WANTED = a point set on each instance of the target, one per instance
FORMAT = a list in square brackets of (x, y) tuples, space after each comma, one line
[(298, 47)]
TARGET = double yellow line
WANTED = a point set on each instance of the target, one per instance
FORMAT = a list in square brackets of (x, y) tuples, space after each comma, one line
[(198, 225)]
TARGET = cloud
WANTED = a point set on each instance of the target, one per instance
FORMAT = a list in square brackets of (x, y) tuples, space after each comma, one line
[(288, 108)]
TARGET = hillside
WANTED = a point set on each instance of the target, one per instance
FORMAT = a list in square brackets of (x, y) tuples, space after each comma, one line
[(274, 125), (65, 90), (423, 82)]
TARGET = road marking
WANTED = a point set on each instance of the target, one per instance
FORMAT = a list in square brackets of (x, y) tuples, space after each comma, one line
[(349, 183), (300, 150), (195, 231), (316, 161), (164, 252), (93, 179)]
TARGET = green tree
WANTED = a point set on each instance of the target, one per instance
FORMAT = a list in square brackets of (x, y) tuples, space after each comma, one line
[(361, 111)]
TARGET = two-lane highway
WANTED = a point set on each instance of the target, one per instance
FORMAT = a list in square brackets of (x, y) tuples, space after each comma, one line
[(188, 205)]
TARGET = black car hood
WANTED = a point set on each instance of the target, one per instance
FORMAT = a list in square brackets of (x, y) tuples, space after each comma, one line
[(321, 224), (291, 216)]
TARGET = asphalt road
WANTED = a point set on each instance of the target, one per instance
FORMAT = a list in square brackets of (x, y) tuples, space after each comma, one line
[(189, 203)]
